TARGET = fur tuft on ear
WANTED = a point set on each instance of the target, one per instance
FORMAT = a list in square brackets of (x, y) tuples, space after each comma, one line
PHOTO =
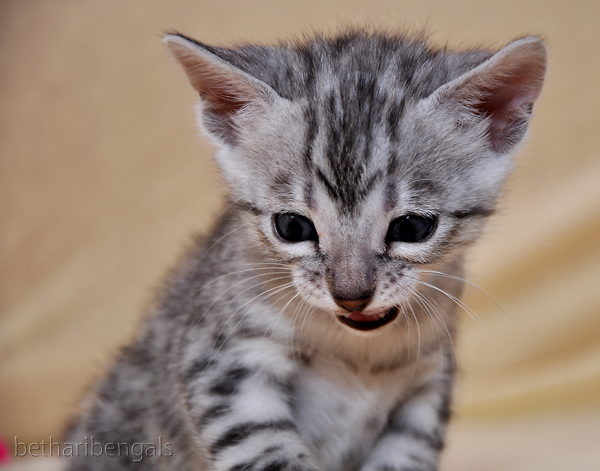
[(503, 90), (227, 93)]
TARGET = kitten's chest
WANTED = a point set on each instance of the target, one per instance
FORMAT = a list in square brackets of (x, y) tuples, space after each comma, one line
[(341, 412)]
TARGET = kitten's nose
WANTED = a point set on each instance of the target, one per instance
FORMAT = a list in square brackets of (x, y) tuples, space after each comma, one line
[(352, 305)]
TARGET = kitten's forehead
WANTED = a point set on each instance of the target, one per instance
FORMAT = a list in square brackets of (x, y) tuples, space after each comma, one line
[(355, 99), (355, 154), (347, 143)]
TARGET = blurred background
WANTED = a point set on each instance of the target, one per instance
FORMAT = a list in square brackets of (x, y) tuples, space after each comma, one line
[(103, 179)]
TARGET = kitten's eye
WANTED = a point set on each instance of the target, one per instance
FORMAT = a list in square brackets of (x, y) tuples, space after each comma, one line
[(410, 228), (295, 228)]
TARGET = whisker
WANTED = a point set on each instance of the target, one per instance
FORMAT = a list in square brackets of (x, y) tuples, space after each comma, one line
[(267, 294), (474, 285), (237, 272), (281, 311), (460, 303), (277, 288), (418, 343), (482, 327), (303, 309), (431, 319), (241, 292), (215, 243), (304, 322), (425, 302)]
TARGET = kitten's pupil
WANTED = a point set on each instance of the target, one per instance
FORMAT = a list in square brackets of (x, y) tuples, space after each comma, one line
[(410, 228), (295, 228)]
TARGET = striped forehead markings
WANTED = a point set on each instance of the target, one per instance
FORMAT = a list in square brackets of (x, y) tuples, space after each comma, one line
[(348, 194)]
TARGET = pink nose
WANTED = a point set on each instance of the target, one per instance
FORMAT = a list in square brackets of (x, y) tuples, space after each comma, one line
[(352, 305)]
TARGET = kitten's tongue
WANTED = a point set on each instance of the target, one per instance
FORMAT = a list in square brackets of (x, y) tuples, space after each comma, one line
[(358, 316), (359, 321)]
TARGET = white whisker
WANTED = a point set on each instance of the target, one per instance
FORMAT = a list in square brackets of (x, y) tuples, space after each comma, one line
[(482, 327), (474, 285), (238, 294)]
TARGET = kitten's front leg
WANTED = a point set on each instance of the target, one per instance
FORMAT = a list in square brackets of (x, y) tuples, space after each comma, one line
[(414, 434), (241, 407)]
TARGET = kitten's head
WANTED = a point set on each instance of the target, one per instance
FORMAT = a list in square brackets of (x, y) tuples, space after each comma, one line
[(363, 158)]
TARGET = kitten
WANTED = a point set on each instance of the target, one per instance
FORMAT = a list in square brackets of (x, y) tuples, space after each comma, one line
[(312, 330)]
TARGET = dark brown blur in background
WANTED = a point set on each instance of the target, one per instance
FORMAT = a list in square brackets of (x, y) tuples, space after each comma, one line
[(103, 179)]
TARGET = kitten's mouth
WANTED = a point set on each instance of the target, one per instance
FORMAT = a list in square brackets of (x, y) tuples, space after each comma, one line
[(359, 321)]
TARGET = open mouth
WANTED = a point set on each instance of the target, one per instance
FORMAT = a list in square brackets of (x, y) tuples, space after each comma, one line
[(357, 320)]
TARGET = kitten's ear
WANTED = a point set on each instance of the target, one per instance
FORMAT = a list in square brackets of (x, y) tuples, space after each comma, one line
[(501, 89), (229, 96)]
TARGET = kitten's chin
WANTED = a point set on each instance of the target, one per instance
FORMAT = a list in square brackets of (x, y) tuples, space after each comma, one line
[(358, 321)]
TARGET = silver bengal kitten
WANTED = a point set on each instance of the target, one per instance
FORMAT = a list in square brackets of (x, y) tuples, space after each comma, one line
[(312, 329)]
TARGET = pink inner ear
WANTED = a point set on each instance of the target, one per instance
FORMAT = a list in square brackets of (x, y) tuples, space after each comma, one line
[(504, 89), (225, 95), (224, 89), (222, 96), (508, 103)]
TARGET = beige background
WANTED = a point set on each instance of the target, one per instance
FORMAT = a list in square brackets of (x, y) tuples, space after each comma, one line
[(103, 179)]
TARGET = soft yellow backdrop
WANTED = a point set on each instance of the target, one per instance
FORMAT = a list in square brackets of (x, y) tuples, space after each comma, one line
[(103, 179)]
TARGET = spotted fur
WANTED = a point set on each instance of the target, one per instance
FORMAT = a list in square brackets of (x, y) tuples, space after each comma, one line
[(246, 365)]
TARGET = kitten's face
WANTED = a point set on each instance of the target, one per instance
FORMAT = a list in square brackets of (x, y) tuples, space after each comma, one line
[(356, 238), (362, 159)]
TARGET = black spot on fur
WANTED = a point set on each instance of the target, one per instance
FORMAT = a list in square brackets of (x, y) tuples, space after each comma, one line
[(229, 383), (220, 340), (473, 212), (213, 413), (392, 365), (248, 331), (309, 198), (331, 189), (282, 182), (422, 185), (274, 466), (305, 359), (239, 433), (445, 410), (434, 439), (247, 466), (390, 196), (312, 127), (249, 207), (271, 449), (285, 385), (394, 114), (197, 368)]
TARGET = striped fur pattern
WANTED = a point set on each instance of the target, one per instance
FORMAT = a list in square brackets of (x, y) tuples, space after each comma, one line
[(252, 360)]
